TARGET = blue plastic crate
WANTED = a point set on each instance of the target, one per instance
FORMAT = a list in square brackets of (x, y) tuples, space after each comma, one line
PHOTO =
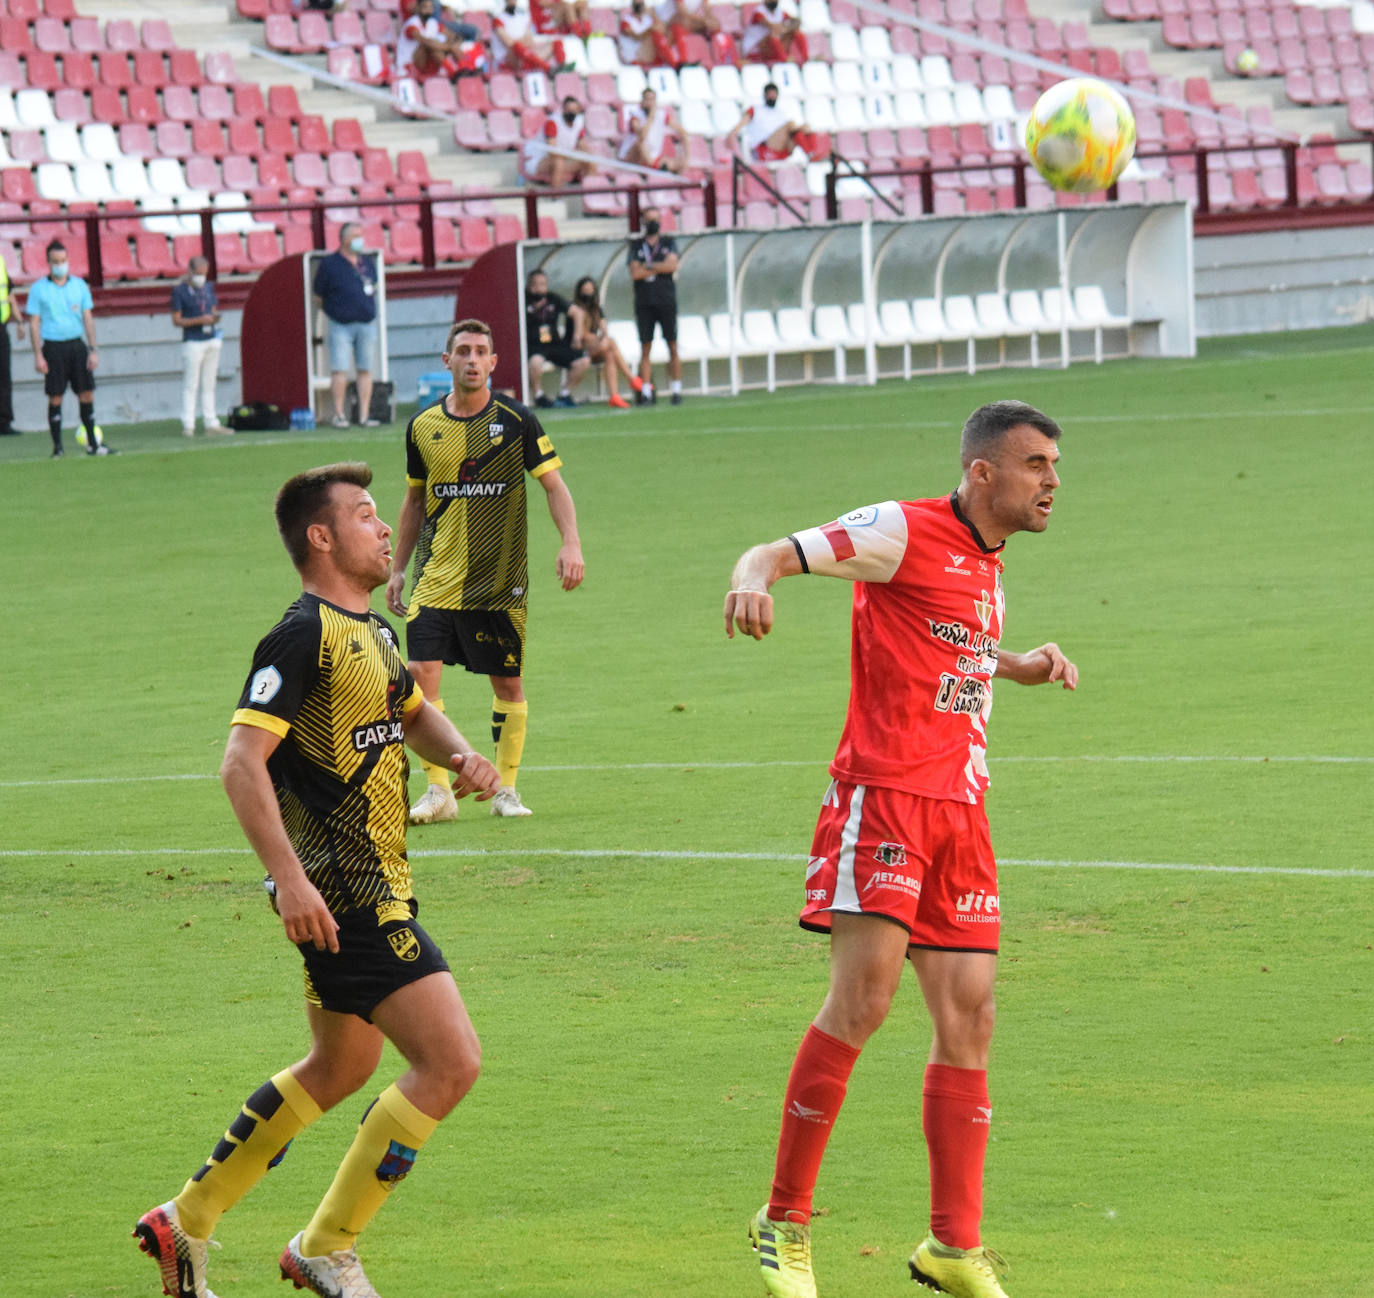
[(430, 387)]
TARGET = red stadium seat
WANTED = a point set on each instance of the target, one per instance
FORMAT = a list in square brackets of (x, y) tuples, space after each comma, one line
[(297, 238), (348, 134), (313, 32), (15, 37), (405, 243), (279, 33), (472, 94), (78, 70), (120, 34), (503, 129), (243, 137), (274, 171), (282, 102), (178, 102), (11, 70), (348, 29), (506, 228), (27, 146), (214, 102), (240, 172), (277, 136), (254, 10), (107, 105), (137, 141), (412, 168), (70, 105), (344, 169), (440, 95), (183, 68), (150, 68), (262, 248), (42, 71), (314, 135), (446, 246), (51, 36), (219, 66), (156, 34), (229, 253), (309, 170), (16, 186), (203, 173), (172, 139), (116, 257), (207, 138), (378, 29), (343, 63), (64, 9), (474, 236), (377, 168), (504, 92)]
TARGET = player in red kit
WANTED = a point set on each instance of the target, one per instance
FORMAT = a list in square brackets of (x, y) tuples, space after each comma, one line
[(901, 866)]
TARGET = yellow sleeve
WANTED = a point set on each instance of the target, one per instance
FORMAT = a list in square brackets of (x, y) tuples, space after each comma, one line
[(263, 721)]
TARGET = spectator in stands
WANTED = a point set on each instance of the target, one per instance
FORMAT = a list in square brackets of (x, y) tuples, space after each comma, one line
[(647, 131), (448, 20), (570, 16), (774, 35), (643, 37), (346, 290), (546, 341), (694, 16), (514, 46), (195, 311), (566, 132), (62, 322), (653, 266), (425, 48), (588, 324), (8, 308), (769, 135)]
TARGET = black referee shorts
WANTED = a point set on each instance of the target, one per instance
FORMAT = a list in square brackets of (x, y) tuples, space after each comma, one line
[(68, 365), (561, 354), (381, 950), (664, 315), (487, 641)]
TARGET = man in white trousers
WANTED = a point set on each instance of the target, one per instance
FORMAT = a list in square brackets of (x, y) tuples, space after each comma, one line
[(195, 311)]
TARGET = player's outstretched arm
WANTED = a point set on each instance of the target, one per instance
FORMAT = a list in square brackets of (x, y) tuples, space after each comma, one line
[(304, 915), (435, 738), (403, 546), (1041, 666), (748, 605)]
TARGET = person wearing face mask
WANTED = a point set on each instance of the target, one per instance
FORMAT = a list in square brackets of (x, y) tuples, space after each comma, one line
[(544, 159), (346, 290), (653, 265), (773, 34), (643, 38), (62, 322), (514, 46), (587, 330), (425, 48), (654, 136), (770, 135), (195, 311), (546, 342)]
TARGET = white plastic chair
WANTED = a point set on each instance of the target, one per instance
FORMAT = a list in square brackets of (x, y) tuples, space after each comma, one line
[(875, 43), (9, 119), (939, 105), (725, 115), (815, 15), (844, 44), (788, 79), (880, 110), (130, 178), (753, 77), (848, 78), (694, 83), (92, 181), (831, 327), (849, 113), (817, 79), (696, 117), (575, 52), (998, 104), (165, 178), (906, 72), (726, 83), (935, 73), (630, 83), (877, 78), (663, 82), (53, 181), (99, 142), (819, 113), (968, 104), (910, 108), (33, 108)]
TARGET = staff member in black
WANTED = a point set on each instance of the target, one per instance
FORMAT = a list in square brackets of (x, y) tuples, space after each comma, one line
[(7, 309), (653, 264)]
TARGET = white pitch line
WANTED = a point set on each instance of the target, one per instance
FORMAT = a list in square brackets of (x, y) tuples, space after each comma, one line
[(660, 854), (819, 762)]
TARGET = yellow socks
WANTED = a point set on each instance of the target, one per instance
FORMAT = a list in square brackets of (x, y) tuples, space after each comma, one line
[(382, 1152), (440, 775), (271, 1117), (508, 734)]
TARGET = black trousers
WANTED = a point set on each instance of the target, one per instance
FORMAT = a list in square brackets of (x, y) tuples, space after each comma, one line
[(6, 393)]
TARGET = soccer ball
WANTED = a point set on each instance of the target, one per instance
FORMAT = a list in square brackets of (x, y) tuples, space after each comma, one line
[(1247, 61), (1081, 135), (81, 435)]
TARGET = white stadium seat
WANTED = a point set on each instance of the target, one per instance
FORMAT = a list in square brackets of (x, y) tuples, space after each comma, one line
[(663, 82), (62, 143), (910, 108), (726, 83), (33, 108), (788, 79), (906, 73), (99, 142), (935, 72), (875, 43), (848, 78), (844, 44), (968, 104), (817, 79), (695, 83), (630, 83), (53, 181), (939, 106), (877, 78), (92, 181)]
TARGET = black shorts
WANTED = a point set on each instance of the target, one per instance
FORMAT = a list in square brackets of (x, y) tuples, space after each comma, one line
[(561, 354), (376, 957), (662, 314), (68, 364), (487, 641)]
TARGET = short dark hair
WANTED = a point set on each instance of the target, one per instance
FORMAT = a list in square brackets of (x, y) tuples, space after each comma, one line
[(986, 426), (471, 327), (54, 245), (529, 279), (771, 85), (305, 499)]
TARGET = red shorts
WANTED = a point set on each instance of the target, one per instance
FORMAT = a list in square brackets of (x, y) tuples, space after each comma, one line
[(926, 863), (765, 153)]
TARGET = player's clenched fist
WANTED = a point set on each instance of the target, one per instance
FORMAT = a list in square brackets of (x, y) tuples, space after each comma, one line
[(475, 775), (751, 611)]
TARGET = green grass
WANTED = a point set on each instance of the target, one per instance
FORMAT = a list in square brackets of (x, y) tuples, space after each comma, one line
[(1182, 1071)]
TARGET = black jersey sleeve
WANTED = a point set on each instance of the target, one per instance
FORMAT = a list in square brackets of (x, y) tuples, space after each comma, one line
[(286, 667), (539, 452), (416, 469)]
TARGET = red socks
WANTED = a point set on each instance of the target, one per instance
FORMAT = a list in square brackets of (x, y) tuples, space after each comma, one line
[(815, 1091), (956, 1117)]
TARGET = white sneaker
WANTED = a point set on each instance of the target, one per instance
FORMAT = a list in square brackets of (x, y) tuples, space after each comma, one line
[(436, 803), (333, 1275), (180, 1257), (218, 429), (339, 421), (189, 432), (507, 803)]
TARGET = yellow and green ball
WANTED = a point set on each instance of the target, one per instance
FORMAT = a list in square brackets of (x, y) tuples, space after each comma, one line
[(1081, 135), (81, 435)]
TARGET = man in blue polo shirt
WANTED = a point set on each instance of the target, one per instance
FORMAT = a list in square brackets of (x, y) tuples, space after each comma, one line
[(62, 321), (346, 288)]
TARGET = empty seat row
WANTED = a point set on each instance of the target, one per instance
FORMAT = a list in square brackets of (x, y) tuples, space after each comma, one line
[(50, 35)]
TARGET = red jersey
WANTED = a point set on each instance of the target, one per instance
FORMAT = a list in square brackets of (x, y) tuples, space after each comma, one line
[(927, 619)]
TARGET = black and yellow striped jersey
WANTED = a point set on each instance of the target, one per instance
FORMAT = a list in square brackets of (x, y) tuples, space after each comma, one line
[(471, 552), (334, 686)]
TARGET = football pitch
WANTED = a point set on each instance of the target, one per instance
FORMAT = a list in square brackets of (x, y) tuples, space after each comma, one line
[(1183, 1072)]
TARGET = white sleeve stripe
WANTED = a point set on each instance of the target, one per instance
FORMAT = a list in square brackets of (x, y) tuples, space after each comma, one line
[(864, 545)]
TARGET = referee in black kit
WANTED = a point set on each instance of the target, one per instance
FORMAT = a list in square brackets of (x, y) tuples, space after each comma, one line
[(653, 264)]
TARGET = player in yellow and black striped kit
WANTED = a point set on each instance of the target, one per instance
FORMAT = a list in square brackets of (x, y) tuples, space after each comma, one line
[(464, 519), (316, 771)]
